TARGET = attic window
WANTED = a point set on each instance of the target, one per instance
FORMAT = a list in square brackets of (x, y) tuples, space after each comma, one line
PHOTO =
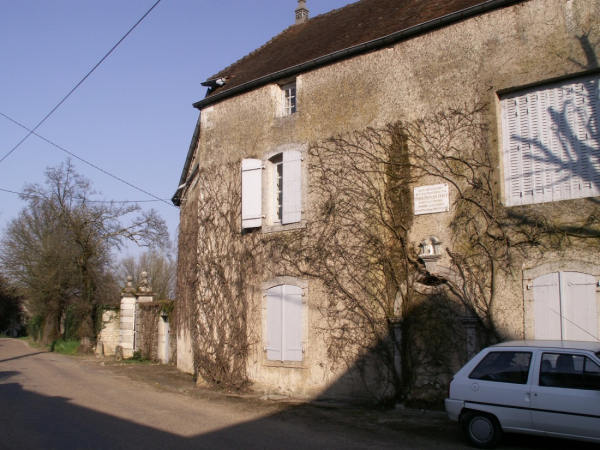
[(289, 99)]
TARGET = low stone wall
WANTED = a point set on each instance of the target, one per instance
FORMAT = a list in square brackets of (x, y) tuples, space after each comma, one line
[(154, 340), (109, 333)]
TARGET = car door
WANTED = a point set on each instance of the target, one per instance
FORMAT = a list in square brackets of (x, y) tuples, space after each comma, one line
[(565, 394), (500, 385)]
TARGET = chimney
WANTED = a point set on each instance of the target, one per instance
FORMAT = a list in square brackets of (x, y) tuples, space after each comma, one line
[(301, 12)]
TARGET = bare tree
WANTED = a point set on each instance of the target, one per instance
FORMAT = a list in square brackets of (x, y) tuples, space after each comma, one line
[(59, 248), (161, 270)]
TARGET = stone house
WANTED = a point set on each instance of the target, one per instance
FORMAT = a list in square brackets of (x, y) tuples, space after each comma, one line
[(379, 191)]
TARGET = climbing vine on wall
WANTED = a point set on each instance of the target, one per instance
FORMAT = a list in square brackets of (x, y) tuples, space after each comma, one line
[(150, 314), (384, 316), (229, 267)]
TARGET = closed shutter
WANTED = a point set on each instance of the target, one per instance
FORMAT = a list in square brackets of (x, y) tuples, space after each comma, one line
[(274, 324), (579, 307), (513, 160), (292, 187), (551, 142), (284, 323), (546, 303), (591, 134), (565, 307), (292, 320), (251, 193)]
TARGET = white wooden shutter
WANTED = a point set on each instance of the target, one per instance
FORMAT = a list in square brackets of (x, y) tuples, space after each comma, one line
[(591, 133), (292, 187), (251, 193), (292, 323), (580, 322), (546, 305), (551, 142), (274, 324), (513, 166)]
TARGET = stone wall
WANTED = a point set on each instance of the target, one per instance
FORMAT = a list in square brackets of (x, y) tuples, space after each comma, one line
[(109, 334), (469, 62), (154, 317)]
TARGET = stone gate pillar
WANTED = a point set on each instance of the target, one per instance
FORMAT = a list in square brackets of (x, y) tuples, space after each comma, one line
[(127, 319)]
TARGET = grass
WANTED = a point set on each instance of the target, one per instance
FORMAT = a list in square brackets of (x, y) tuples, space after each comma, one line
[(62, 347), (65, 347)]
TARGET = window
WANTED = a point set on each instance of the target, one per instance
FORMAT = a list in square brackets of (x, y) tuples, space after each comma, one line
[(569, 371), (551, 142), (505, 367), (276, 199), (284, 323), (285, 190), (289, 99)]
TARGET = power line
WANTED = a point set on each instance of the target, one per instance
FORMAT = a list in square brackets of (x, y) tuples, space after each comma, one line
[(98, 201), (84, 161), (125, 201), (79, 84), (12, 192)]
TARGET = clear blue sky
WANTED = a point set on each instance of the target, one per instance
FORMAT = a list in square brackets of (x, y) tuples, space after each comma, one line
[(133, 116)]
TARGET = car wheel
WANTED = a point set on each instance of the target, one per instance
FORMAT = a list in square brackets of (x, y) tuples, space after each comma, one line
[(482, 430)]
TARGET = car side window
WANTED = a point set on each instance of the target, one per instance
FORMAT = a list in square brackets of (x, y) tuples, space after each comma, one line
[(591, 375), (569, 371), (504, 367)]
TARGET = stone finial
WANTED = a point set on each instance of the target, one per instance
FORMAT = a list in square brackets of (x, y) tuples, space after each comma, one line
[(144, 287), (129, 289), (301, 12)]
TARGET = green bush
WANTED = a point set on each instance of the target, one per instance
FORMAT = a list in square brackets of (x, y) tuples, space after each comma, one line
[(137, 356), (36, 325)]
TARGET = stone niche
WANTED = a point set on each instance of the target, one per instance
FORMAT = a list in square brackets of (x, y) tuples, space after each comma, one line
[(431, 252)]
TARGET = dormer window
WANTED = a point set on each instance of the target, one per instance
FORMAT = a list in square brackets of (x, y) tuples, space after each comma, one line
[(289, 99)]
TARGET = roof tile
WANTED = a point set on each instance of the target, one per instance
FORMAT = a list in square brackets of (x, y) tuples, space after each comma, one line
[(337, 30)]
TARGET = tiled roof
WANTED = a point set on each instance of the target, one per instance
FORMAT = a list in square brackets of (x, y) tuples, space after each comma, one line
[(337, 30)]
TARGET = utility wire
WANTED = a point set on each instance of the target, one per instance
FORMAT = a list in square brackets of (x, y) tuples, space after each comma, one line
[(79, 84), (125, 201), (12, 192), (97, 201), (84, 161)]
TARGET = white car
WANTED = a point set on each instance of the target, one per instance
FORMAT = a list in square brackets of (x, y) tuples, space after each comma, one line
[(545, 388)]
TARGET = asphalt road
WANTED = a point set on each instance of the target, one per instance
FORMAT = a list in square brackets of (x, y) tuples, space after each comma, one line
[(50, 401)]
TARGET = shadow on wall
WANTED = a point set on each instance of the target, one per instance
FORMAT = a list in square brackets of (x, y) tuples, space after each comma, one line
[(439, 343)]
